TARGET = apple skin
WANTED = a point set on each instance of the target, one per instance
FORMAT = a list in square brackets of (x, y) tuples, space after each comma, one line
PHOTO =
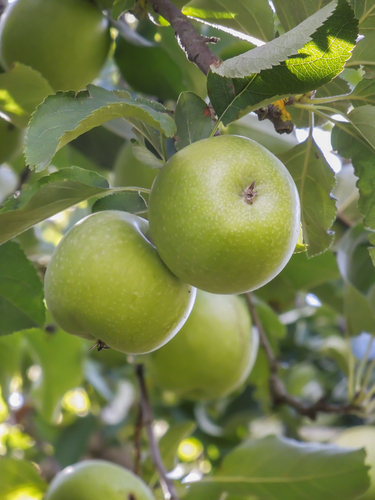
[(66, 40), (106, 281), (212, 354), (11, 140), (203, 227), (129, 171), (97, 480), (361, 436)]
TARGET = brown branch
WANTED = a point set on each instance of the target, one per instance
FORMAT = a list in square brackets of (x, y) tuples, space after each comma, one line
[(189, 39), (278, 392), (165, 482)]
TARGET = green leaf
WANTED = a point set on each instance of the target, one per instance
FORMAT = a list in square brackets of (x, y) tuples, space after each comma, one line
[(20, 477), (363, 159), (270, 320), (365, 12), (364, 54), (169, 443), (193, 120), (131, 202), (65, 116), (282, 468), (145, 156), (50, 195), (315, 180), (73, 441), (293, 12), (21, 291), (359, 314), (278, 50), (10, 360), (316, 63), (254, 18), (21, 90), (121, 6), (364, 93), (60, 356)]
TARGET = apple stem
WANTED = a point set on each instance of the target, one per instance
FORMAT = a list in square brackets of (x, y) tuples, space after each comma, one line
[(147, 420), (278, 392)]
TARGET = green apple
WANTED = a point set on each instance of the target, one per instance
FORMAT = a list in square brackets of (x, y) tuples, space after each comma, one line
[(11, 140), (224, 214), (66, 40), (97, 480), (212, 354), (107, 282), (129, 171), (361, 436)]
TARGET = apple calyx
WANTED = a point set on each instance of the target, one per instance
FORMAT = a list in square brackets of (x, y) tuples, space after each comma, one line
[(250, 193), (100, 345)]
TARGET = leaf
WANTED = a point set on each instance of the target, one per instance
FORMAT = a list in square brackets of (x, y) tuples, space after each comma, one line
[(131, 202), (254, 18), (364, 93), (169, 443), (315, 180), (21, 291), (363, 159), (270, 320), (359, 314), (293, 12), (73, 441), (363, 54), (121, 6), (60, 356), (21, 90), (193, 120), (278, 50), (316, 63), (145, 156), (365, 12), (20, 477), (283, 468), (48, 196), (65, 116), (10, 361)]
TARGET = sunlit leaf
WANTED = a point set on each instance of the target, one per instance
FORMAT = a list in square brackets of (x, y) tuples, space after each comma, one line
[(20, 476)]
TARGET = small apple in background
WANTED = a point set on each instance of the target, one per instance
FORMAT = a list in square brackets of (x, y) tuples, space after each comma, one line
[(212, 354), (361, 436), (66, 41), (224, 215), (129, 171), (97, 480), (107, 282)]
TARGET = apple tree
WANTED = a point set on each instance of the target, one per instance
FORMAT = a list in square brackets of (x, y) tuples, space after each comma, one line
[(267, 389)]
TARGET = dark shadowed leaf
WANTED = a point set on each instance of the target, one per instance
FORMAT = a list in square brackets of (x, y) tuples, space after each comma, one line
[(21, 291), (193, 120), (126, 202), (293, 12)]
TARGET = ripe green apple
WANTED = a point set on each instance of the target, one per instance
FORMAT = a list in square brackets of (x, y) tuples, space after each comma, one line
[(129, 171), (107, 282), (11, 140), (212, 354), (97, 480), (66, 40), (224, 214), (361, 436)]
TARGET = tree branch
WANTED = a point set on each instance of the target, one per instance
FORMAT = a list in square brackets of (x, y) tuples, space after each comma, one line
[(138, 440), (189, 39), (278, 392), (165, 482)]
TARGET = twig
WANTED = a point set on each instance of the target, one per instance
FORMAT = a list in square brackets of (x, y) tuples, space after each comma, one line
[(24, 177), (189, 39), (279, 394), (165, 482), (2, 6), (138, 440)]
